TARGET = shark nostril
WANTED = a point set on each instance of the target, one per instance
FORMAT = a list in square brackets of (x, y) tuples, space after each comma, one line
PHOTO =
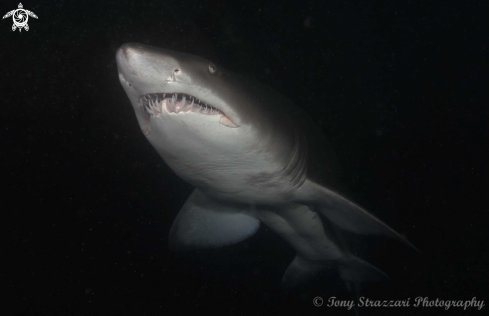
[(177, 71)]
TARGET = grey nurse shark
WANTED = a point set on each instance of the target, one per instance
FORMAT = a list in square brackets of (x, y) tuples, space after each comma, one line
[(252, 156)]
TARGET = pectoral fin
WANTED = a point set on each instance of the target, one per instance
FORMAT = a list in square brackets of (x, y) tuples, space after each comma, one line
[(346, 214), (207, 223)]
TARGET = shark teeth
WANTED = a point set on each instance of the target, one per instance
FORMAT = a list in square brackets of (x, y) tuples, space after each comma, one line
[(152, 106), (154, 103)]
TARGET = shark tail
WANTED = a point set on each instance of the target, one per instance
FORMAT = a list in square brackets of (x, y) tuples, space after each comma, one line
[(352, 270)]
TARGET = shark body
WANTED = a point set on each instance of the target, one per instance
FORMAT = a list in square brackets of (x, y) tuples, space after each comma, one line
[(253, 157)]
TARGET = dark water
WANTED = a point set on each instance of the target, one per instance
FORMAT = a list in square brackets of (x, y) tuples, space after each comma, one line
[(399, 89)]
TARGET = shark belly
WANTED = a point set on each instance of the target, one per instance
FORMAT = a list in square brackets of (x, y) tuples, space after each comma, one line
[(303, 230)]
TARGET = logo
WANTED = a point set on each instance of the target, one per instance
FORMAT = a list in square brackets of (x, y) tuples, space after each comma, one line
[(20, 18), (317, 301)]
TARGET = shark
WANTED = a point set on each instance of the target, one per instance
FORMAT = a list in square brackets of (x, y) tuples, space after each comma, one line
[(253, 156)]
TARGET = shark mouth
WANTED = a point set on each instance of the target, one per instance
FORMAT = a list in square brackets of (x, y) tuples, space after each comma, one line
[(154, 103)]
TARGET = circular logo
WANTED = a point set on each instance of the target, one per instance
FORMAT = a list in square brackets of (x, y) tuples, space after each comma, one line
[(20, 16), (317, 301)]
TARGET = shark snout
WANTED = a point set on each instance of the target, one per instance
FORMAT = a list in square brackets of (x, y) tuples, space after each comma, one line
[(129, 53), (127, 56), (141, 58), (147, 69), (129, 49)]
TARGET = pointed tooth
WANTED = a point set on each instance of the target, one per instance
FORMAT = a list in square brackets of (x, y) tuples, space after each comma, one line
[(172, 104), (183, 104), (166, 103)]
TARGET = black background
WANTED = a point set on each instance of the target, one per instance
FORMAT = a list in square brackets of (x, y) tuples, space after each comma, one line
[(399, 87)]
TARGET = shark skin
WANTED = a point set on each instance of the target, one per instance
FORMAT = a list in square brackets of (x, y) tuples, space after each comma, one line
[(253, 157)]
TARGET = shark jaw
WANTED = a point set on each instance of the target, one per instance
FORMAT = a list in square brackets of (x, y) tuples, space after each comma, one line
[(154, 104)]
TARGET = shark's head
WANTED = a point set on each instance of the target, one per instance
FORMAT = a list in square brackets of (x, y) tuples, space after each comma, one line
[(209, 125), (150, 74)]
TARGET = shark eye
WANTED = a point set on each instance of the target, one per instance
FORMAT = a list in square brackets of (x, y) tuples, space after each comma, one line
[(212, 68)]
